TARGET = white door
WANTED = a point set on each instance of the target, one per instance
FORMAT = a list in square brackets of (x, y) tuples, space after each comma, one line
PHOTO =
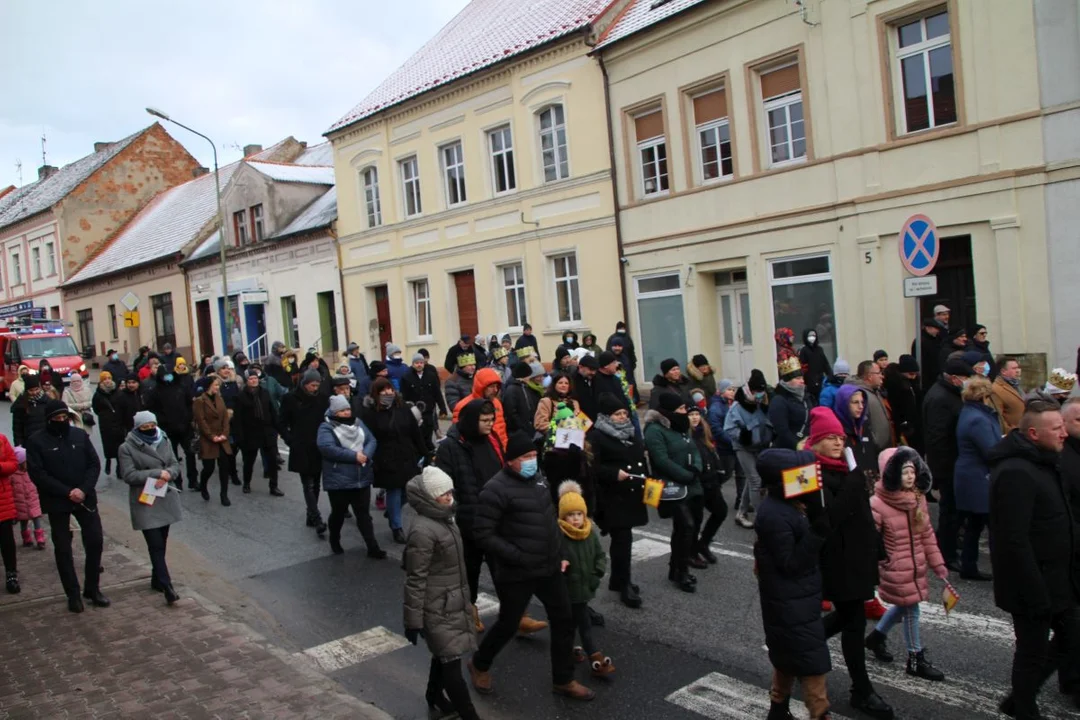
[(735, 333)]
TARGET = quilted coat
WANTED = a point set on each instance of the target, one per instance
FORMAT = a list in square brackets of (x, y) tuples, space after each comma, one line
[(27, 505), (436, 586), (8, 467)]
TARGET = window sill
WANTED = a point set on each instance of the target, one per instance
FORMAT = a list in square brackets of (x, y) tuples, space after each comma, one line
[(423, 340), (915, 135), (717, 180), (787, 163), (654, 196), (575, 325)]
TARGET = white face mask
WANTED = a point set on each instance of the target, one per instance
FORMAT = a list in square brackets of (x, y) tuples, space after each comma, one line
[(811, 338), (396, 356)]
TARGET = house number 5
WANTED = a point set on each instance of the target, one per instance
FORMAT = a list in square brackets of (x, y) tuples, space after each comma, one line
[(868, 257)]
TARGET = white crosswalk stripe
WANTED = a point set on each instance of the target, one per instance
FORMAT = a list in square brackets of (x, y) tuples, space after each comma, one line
[(487, 604), (348, 651), (723, 698)]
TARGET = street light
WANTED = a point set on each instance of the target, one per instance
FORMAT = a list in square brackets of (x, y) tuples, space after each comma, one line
[(221, 221)]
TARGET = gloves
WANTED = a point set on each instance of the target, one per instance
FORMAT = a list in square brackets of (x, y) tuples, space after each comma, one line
[(746, 438), (413, 635)]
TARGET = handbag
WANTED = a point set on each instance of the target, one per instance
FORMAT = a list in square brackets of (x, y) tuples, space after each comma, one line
[(88, 419), (673, 491)]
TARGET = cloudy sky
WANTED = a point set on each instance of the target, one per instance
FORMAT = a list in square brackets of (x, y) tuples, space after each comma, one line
[(240, 71)]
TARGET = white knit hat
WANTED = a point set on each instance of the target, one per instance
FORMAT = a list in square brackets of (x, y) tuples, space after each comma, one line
[(144, 417), (436, 482)]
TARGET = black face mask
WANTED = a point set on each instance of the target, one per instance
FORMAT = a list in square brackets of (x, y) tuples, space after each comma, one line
[(679, 422), (343, 420), (59, 427)]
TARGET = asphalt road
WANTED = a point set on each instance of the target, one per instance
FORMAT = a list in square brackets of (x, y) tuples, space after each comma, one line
[(680, 656)]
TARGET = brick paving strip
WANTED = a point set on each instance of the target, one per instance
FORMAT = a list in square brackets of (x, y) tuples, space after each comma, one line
[(141, 658)]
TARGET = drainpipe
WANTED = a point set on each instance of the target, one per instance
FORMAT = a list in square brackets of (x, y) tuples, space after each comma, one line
[(614, 188)]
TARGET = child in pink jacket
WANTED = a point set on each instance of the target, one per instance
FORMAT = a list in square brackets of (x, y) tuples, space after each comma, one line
[(901, 515), (27, 506)]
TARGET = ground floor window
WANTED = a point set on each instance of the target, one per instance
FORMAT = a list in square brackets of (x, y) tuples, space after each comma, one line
[(164, 322), (289, 322), (802, 298), (86, 328), (661, 326)]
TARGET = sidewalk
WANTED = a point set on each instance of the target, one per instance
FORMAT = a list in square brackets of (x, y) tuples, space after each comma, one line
[(141, 658)]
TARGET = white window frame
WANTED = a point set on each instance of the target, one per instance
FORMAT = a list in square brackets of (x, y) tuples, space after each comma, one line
[(452, 166), (652, 144), (516, 286), (35, 262), (657, 293), (16, 262), (50, 256), (785, 103), (560, 153), (799, 280), (372, 200), (573, 286), (258, 229), (240, 220), (923, 48), (503, 158), (409, 170), (704, 128), (421, 307)]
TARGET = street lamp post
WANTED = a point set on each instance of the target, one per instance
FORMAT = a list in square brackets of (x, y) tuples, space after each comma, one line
[(221, 222)]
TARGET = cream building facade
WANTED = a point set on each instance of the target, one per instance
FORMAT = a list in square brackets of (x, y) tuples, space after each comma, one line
[(768, 155), (475, 193)]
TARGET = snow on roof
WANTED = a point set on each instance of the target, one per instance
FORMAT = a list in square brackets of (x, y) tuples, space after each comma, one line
[(41, 195), (319, 213), (484, 33), (165, 226), (282, 172), (210, 246), (640, 14), (321, 154)]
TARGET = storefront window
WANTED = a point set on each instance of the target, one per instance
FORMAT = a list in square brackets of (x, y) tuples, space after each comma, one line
[(660, 321), (802, 298)]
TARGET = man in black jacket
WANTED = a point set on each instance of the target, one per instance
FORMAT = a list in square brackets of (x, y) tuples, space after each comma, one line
[(518, 528), (464, 346), (64, 468), (1034, 553), (815, 364), (929, 351), (302, 411), (421, 385), (253, 426), (584, 386), (527, 339), (519, 401), (621, 343), (941, 412), (28, 411), (171, 404)]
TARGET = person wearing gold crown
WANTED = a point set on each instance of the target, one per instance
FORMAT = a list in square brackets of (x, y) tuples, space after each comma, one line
[(1057, 388), (459, 384), (789, 411)]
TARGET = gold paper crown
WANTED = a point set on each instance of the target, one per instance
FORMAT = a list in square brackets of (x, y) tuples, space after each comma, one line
[(466, 359), (788, 366), (1063, 380), (525, 351), (500, 353)]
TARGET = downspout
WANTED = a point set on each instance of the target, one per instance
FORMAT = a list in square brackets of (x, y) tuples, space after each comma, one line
[(190, 309)]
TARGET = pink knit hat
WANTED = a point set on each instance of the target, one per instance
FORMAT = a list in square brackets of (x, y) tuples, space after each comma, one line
[(823, 421)]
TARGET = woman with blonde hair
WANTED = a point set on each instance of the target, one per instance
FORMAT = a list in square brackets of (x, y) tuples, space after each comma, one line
[(977, 432)]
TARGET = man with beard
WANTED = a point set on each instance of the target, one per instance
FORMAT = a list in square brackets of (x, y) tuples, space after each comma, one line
[(302, 411)]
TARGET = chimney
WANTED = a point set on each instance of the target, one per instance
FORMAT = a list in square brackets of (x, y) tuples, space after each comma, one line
[(46, 171), (250, 150), (199, 171), (99, 146)]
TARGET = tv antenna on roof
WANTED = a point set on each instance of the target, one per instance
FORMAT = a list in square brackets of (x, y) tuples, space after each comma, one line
[(18, 170), (43, 162)]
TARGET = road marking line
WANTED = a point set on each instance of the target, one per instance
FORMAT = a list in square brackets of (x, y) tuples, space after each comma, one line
[(718, 549), (347, 651), (487, 604), (647, 549), (723, 698), (982, 626)]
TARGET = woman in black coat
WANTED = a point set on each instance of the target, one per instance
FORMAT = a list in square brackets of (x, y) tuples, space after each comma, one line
[(254, 425), (712, 480), (401, 446), (617, 458), (302, 412), (109, 409), (850, 555)]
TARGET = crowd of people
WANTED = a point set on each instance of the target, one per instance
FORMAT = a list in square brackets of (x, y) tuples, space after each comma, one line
[(539, 463)]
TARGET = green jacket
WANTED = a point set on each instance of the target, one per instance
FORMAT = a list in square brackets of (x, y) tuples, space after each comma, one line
[(707, 383), (587, 565), (673, 456)]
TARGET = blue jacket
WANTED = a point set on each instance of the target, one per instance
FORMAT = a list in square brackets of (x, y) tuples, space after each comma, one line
[(396, 370), (339, 468), (358, 366), (977, 433), (828, 391), (718, 410), (739, 419)]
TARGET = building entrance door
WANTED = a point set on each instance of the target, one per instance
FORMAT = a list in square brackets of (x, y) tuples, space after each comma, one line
[(465, 288), (382, 312), (735, 333), (956, 283)]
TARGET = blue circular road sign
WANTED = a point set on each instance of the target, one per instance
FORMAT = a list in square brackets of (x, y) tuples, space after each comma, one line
[(919, 245)]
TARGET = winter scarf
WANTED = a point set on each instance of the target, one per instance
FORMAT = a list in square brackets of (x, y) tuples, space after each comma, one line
[(1015, 382), (839, 464), (906, 500), (623, 432), (581, 533), (797, 390), (350, 436)]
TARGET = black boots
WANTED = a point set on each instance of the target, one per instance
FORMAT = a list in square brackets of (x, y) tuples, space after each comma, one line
[(75, 604), (871, 704), (275, 491), (875, 643), (780, 710), (170, 594), (629, 596), (246, 489), (919, 666), (683, 580), (399, 536), (11, 583), (314, 520), (97, 599)]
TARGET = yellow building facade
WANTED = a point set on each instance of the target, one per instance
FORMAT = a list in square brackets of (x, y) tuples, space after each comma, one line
[(767, 156), (481, 206)]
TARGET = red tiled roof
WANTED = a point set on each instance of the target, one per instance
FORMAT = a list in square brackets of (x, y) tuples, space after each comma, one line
[(483, 34)]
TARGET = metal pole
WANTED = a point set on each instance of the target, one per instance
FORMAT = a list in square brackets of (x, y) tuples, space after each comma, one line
[(918, 346)]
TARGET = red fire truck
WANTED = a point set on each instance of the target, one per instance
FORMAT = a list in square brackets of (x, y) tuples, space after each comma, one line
[(27, 341)]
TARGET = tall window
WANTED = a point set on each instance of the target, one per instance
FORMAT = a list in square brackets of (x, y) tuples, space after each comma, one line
[(514, 289), (567, 296), (421, 307), (652, 152), (371, 197), (35, 262), (660, 318), (925, 68), (553, 144), (288, 318), (453, 162), (86, 327), (257, 231), (113, 330), (50, 257), (783, 105), (502, 159), (16, 269), (164, 325), (240, 227), (410, 186), (713, 136), (802, 297)]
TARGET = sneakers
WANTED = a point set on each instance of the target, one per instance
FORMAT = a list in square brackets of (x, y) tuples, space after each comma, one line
[(875, 643), (11, 583), (528, 626), (481, 679), (574, 690), (873, 609), (919, 666), (601, 665), (745, 520), (39, 536)]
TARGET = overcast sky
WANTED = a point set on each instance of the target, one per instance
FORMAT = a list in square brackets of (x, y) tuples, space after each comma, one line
[(239, 71)]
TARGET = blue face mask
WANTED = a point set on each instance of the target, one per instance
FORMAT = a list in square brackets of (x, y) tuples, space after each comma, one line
[(759, 396), (168, 377), (114, 356), (528, 468), (985, 372)]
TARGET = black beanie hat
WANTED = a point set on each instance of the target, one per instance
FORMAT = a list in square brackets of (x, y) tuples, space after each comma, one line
[(606, 358), (517, 445), (670, 402), (757, 381), (55, 407), (375, 367), (338, 379), (699, 361), (31, 381), (666, 365), (589, 362), (609, 404), (521, 370), (907, 364)]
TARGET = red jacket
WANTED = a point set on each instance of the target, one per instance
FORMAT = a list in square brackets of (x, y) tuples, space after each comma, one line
[(911, 552), (483, 379), (8, 466)]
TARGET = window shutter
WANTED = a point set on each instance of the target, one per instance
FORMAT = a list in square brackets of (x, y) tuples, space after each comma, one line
[(780, 82), (649, 126), (711, 106)]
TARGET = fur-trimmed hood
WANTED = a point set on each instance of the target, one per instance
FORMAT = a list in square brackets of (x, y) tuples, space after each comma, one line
[(694, 372), (654, 416), (891, 464)]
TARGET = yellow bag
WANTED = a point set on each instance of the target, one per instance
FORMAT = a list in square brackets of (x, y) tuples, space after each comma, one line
[(653, 489)]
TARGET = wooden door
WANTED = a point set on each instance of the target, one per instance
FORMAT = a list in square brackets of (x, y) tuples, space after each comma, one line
[(382, 311), (465, 287), (956, 283), (206, 332)]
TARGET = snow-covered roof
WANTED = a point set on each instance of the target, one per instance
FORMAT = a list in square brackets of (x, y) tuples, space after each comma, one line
[(320, 213), (321, 154), (281, 172), (41, 195), (484, 33), (640, 14), (209, 246), (171, 221)]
